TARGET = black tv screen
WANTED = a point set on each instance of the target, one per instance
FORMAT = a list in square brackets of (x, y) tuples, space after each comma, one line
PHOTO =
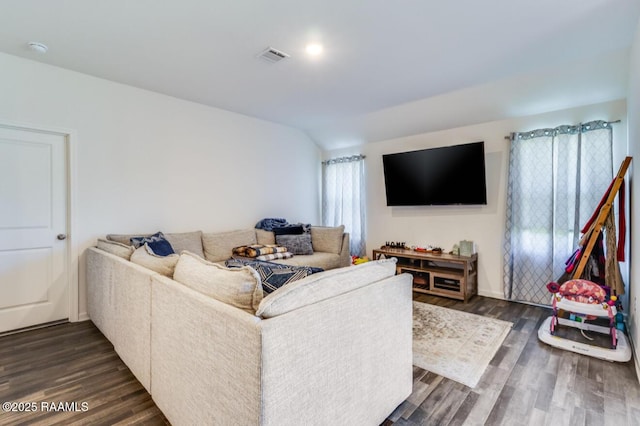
[(436, 176)]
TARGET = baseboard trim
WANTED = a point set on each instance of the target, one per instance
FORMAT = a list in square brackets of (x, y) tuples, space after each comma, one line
[(34, 327), (635, 354), (83, 316), (491, 294)]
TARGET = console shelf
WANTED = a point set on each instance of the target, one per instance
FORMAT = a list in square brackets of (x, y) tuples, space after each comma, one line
[(442, 274)]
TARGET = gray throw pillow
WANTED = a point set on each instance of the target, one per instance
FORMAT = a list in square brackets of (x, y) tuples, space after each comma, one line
[(296, 244)]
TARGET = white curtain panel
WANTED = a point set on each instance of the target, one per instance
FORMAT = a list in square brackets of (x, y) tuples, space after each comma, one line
[(343, 198), (556, 180)]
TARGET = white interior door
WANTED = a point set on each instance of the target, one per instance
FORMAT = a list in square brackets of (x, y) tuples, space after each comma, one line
[(34, 283)]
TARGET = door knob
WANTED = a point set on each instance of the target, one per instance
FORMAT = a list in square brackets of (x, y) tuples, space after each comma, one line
[(62, 237)]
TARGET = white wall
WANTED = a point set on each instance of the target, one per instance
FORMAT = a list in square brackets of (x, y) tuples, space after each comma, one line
[(446, 225), (633, 101), (148, 162)]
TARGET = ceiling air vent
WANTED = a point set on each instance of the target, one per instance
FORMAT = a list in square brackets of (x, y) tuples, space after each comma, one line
[(272, 55)]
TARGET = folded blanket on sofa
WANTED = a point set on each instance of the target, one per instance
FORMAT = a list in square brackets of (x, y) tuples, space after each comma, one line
[(256, 250), (269, 223), (275, 256), (273, 275), (274, 224)]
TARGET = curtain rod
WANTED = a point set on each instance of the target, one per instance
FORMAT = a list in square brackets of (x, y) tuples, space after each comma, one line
[(345, 159), (610, 122)]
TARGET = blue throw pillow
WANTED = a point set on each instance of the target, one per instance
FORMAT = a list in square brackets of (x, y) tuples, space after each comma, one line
[(156, 242)]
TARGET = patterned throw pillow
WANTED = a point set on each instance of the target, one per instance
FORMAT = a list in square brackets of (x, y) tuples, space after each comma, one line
[(296, 244), (157, 243), (274, 275)]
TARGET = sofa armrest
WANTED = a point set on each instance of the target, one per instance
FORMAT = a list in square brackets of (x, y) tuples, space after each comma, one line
[(119, 304), (345, 253), (205, 358), (344, 360)]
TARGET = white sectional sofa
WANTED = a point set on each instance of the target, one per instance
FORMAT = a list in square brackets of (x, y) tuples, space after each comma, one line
[(330, 245), (331, 348)]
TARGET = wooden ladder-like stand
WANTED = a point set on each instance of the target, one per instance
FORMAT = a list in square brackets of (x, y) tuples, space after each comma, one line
[(591, 235)]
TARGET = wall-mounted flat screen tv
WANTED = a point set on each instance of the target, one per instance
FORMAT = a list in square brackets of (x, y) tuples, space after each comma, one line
[(446, 175)]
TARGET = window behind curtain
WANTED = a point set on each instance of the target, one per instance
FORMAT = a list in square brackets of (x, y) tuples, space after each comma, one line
[(343, 198), (556, 180)]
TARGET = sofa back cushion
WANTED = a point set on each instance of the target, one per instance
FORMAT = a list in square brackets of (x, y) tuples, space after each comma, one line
[(190, 241), (219, 246), (239, 287), (265, 237), (164, 265), (327, 239), (121, 250), (324, 285)]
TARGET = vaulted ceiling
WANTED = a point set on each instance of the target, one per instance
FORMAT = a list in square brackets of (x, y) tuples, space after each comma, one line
[(388, 68)]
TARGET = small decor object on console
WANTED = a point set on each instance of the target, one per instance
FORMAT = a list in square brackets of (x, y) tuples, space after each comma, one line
[(395, 244), (466, 248), (428, 249)]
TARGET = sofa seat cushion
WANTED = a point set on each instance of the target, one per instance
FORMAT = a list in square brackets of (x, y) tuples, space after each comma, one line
[(190, 241), (327, 238), (239, 287), (219, 246), (164, 265), (318, 259), (273, 275), (324, 285)]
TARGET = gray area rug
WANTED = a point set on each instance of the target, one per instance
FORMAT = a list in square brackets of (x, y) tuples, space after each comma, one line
[(454, 344)]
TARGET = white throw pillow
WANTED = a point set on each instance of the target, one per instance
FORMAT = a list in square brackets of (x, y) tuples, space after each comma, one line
[(164, 265), (324, 285), (239, 287), (121, 250)]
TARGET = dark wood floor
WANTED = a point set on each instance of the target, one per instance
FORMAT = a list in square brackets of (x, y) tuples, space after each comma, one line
[(527, 382), (71, 363)]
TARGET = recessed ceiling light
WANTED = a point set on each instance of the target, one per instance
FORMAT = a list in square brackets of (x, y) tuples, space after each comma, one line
[(37, 47), (314, 49)]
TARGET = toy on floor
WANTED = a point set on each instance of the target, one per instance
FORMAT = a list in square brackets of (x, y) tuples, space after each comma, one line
[(355, 260), (585, 301)]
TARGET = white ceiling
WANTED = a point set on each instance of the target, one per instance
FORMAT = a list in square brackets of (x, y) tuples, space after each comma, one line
[(389, 68)]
